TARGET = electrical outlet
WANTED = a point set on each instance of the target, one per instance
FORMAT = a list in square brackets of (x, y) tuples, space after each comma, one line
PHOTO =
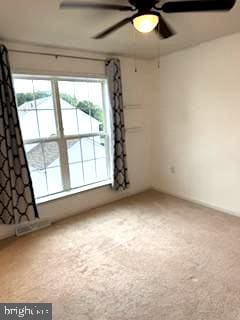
[(172, 170)]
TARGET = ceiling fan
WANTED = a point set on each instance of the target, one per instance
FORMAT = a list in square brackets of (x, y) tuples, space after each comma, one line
[(148, 17)]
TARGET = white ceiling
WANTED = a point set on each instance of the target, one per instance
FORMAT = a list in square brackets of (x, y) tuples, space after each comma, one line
[(41, 22)]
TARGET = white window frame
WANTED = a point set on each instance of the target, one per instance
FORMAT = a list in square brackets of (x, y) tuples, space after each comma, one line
[(61, 139)]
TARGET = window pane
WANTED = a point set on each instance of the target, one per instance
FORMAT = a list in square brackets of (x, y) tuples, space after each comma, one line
[(88, 148), (70, 124), (43, 94), (35, 156), (51, 154), (99, 145), (86, 99), (101, 165), (74, 151), (84, 122), (39, 183), (54, 182), (95, 93), (89, 172), (24, 93), (31, 94), (35, 108), (76, 175), (44, 164), (47, 124), (96, 101), (29, 124)]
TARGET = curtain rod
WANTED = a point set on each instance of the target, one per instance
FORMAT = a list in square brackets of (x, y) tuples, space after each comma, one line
[(56, 55)]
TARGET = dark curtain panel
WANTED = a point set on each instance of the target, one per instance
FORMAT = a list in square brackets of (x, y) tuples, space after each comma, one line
[(17, 202), (113, 71)]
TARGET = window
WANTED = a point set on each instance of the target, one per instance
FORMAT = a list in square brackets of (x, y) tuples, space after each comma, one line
[(65, 128)]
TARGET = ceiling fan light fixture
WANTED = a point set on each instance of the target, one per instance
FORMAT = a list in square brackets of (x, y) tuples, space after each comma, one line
[(146, 22)]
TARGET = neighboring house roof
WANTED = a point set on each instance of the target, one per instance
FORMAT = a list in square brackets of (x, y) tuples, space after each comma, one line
[(47, 104), (44, 107), (35, 157), (42, 103), (51, 152)]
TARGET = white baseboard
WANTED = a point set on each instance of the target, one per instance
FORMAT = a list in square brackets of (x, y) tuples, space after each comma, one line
[(7, 231), (197, 201)]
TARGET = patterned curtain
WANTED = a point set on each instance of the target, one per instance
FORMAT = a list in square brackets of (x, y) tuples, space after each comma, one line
[(17, 202), (113, 71)]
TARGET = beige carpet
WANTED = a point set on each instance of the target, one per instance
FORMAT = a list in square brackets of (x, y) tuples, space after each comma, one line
[(148, 257)]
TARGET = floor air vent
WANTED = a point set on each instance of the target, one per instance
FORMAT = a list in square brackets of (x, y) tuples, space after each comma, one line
[(27, 227)]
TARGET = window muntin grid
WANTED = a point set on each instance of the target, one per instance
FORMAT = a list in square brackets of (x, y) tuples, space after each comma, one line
[(78, 157)]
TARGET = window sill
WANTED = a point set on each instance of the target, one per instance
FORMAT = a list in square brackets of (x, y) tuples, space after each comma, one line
[(72, 192)]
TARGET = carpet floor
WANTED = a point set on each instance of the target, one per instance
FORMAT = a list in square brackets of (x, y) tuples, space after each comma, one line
[(147, 257)]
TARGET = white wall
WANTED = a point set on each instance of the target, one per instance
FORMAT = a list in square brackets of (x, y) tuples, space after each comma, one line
[(137, 99), (183, 121), (197, 124)]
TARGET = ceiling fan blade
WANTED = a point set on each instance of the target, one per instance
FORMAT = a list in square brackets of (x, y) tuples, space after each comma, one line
[(163, 29), (88, 5), (198, 5), (113, 28)]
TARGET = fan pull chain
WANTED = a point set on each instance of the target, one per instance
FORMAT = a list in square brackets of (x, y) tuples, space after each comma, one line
[(159, 50), (135, 65), (135, 51)]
